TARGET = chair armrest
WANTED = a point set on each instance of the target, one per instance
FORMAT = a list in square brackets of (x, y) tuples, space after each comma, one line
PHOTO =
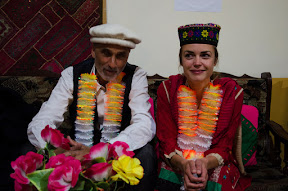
[(278, 131), (280, 136)]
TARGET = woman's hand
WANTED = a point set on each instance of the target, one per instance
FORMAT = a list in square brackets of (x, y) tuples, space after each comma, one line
[(195, 174), (77, 150), (190, 168)]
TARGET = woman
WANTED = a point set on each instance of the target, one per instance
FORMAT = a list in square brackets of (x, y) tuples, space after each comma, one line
[(197, 118)]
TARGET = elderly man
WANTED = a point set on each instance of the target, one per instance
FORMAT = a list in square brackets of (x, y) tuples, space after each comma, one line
[(111, 45)]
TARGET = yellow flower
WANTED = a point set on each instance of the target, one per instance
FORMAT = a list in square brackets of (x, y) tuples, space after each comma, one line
[(185, 34), (128, 169), (204, 33), (217, 36)]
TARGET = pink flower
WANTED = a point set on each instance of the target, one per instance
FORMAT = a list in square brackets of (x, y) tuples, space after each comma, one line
[(65, 144), (98, 151), (22, 187), (118, 149), (99, 171), (55, 138), (65, 176), (24, 165), (58, 160)]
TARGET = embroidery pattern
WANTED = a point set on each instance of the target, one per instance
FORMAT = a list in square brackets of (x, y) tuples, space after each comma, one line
[(202, 33), (214, 177)]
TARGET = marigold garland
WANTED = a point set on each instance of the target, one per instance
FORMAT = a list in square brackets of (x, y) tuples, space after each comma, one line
[(113, 106), (86, 98), (197, 127), (187, 111)]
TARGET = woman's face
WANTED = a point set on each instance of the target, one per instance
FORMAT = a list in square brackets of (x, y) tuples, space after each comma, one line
[(198, 61)]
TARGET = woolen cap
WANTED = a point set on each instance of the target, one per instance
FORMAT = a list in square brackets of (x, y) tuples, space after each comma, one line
[(114, 34), (199, 33)]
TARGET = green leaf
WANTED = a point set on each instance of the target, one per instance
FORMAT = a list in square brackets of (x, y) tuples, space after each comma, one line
[(103, 185), (89, 184), (79, 186), (40, 151), (99, 160), (50, 146), (39, 178), (51, 153)]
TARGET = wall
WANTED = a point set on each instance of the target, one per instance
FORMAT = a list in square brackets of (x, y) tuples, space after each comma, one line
[(279, 106), (252, 40)]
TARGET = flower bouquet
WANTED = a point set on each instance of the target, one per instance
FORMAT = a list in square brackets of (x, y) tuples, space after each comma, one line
[(105, 167)]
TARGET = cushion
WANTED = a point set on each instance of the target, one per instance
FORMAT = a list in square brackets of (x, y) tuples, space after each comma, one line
[(152, 107), (249, 121), (246, 138)]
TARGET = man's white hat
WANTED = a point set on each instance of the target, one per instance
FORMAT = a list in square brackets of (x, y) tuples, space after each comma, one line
[(113, 34)]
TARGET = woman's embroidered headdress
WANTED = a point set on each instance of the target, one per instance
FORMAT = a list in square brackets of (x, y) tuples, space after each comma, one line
[(199, 33)]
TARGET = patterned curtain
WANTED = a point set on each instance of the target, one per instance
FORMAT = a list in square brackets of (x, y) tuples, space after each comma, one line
[(43, 37)]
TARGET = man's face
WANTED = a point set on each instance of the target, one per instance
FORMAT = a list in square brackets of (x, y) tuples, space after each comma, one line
[(110, 61)]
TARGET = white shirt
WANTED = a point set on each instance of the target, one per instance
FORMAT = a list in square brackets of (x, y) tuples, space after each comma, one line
[(142, 126)]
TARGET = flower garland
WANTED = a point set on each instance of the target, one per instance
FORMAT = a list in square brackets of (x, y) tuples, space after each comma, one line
[(197, 127), (84, 124), (113, 111), (85, 109)]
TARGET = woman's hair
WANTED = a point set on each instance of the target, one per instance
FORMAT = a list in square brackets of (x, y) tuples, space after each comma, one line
[(216, 55)]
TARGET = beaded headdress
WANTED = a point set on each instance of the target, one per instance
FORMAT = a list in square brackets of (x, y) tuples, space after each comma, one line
[(199, 33)]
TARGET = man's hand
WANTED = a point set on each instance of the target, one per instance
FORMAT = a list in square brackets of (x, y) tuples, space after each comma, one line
[(59, 150), (77, 150)]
